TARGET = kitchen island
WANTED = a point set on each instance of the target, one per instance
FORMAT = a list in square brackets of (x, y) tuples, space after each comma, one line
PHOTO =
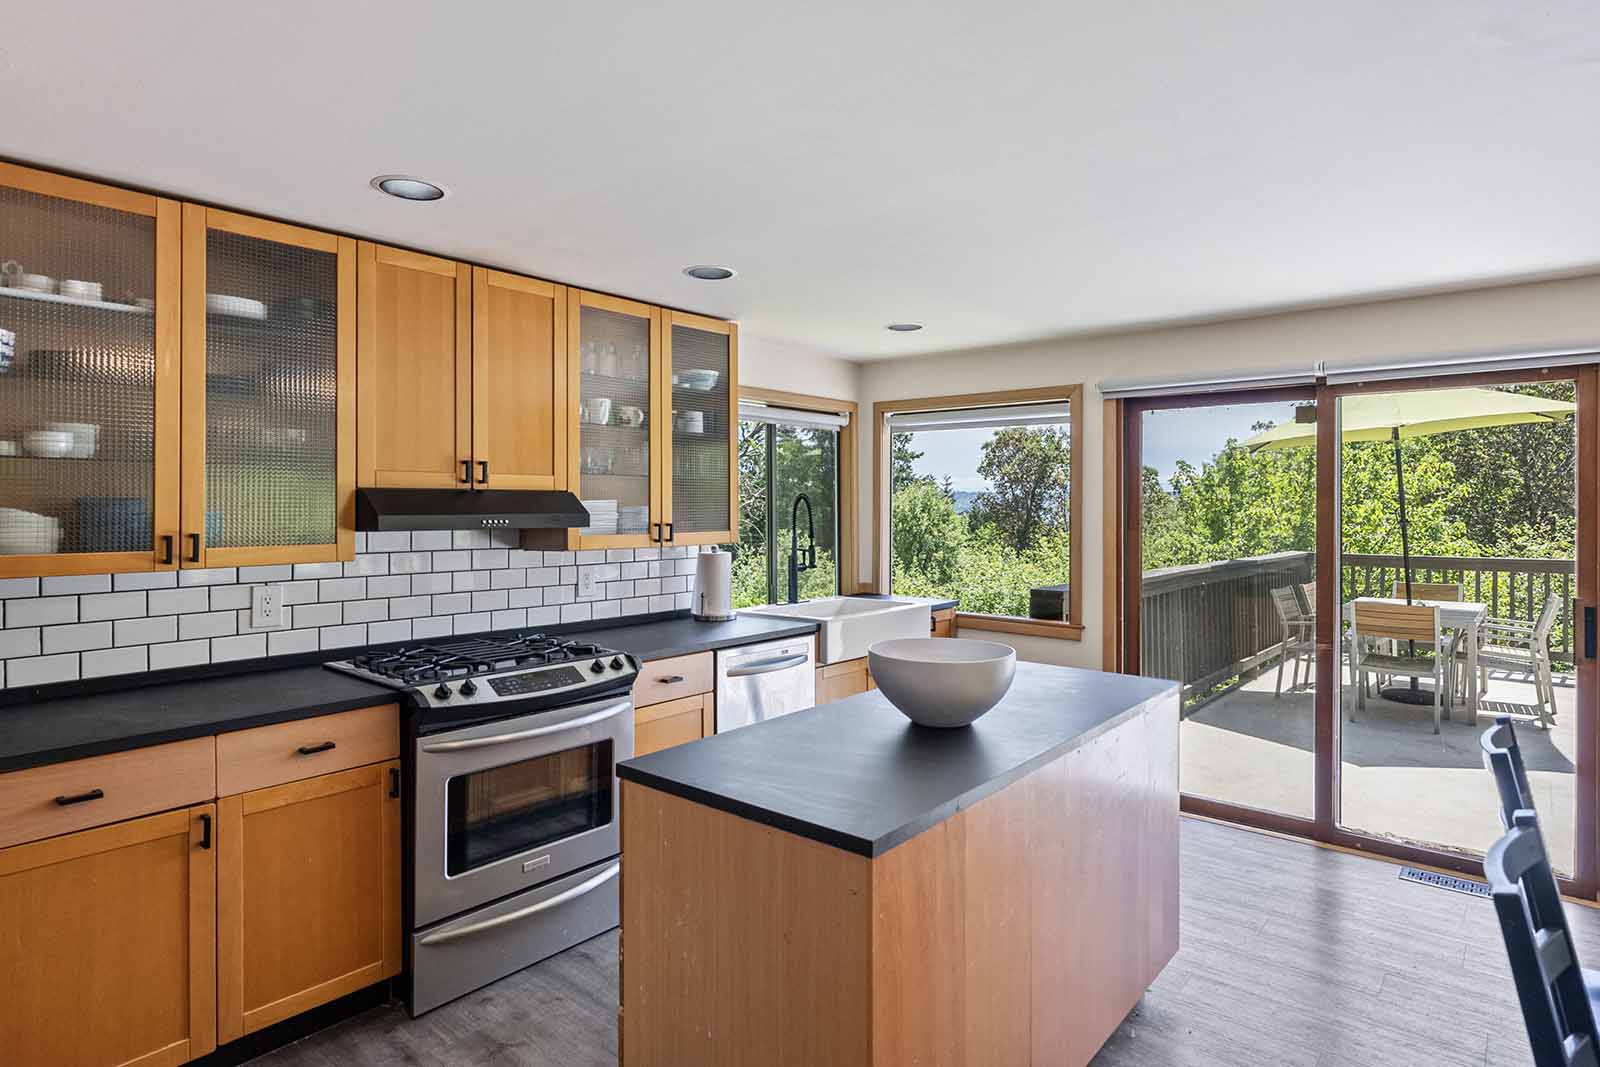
[(840, 886)]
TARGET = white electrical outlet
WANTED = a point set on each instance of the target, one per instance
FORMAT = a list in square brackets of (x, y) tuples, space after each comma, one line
[(266, 606), (586, 581)]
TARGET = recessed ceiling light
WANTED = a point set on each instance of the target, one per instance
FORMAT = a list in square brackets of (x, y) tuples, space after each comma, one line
[(905, 327), (709, 273), (407, 188)]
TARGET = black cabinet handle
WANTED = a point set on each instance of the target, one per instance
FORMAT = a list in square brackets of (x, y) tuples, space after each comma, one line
[(669, 532), (194, 548), (394, 781), (483, 472), (1588, 632), (312, 750), (466, 472), (671, 680), (79, 798), (656, 536), (205, 831), (167, 548)]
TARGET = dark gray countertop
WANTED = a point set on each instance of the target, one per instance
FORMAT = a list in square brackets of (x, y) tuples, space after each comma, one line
[(859, 776), (91, 724)]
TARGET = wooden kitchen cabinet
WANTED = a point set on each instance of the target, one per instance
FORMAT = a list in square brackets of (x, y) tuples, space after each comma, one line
[(700, 368), (94, 372), (308, 894), (519, 382), (839, 680), (674, 722), (944, 623), (109, 946), (414, 370), (269, 392)]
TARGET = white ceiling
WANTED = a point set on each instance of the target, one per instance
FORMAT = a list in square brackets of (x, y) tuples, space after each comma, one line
[(1002, 171)]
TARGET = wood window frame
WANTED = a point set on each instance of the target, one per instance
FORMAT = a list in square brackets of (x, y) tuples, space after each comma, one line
[(1070, 630), (1122, 491), (849, 531)]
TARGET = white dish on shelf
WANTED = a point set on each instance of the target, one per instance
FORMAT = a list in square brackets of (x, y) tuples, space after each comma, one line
[(701, 381), (33, 283), (239, 307), (26, 533), (79, 289), (85, 437), (50, 444), (57, 298)]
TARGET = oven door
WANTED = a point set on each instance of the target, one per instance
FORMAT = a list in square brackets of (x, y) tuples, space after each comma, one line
[(506, 805)]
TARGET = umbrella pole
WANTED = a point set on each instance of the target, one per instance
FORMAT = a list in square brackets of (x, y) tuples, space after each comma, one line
[(1413, 693)]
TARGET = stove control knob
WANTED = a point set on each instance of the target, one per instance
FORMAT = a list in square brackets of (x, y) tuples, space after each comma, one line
[(468, 687), (442, 693), (597, 667), (616, 663)]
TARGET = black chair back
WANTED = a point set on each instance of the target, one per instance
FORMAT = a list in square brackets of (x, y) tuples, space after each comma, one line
[(1544, 965), (1503, 759)]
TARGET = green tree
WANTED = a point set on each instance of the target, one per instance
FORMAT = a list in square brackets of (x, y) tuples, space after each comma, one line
[(1028, 469), (928, 533)]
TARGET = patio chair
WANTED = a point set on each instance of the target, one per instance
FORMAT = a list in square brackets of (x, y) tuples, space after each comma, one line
[(1428, 590), (1521, 648), (1556, 995), (1502, 757), (1308, 600), (1419, 623), (1299, 639)]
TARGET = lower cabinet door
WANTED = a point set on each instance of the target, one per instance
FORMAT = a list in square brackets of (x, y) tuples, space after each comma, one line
[(108, 944), (308, 894), (672, 722), (839, 680)]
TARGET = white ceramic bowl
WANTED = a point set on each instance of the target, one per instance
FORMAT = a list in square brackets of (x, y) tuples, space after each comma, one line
[(241, 307), (27, 533), (52, 444), (942, 681), (85, 437)]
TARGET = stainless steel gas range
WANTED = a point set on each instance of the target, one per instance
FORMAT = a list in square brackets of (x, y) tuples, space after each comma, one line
[(513, 808)]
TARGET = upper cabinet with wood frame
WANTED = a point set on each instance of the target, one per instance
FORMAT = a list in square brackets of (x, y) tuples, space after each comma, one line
[(519, 382), (414, 378), (700, 370), (618, 412), (89, 377), (269, 373)]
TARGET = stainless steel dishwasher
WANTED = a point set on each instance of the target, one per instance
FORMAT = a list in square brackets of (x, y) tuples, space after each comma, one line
[(760, 682)]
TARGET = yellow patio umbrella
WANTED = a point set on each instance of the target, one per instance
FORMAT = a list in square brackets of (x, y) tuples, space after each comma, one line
[(1416, 413)]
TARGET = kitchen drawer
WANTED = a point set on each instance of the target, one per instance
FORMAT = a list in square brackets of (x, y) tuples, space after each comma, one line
[(290, 751), (137, 782), (674, 722), (669, 679)]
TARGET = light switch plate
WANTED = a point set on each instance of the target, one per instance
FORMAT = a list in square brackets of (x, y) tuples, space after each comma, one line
[(266, 606)]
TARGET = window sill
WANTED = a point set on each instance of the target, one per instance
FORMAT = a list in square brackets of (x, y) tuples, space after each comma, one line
[(1009, 624)]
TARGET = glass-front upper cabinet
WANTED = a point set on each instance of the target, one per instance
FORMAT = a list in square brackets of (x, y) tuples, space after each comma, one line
[(701, 358), (89, 381), (615, 456), (269, 392)]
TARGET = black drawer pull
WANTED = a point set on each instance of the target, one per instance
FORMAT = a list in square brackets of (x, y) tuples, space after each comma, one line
[(79, 798), (671, 680), (205, 831), (312, 750), (194, 548), (167, 550)]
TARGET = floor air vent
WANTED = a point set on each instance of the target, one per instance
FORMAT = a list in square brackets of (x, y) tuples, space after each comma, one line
[(1445, 881)]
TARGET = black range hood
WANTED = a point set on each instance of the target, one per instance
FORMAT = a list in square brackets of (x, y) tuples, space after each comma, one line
[(468, 509)]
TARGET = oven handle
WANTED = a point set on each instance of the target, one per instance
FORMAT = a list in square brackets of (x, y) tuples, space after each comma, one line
[(523, 735), (767, 666), (522, 913)]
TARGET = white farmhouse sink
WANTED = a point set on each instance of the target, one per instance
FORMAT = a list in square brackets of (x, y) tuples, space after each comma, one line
[(846, 626)]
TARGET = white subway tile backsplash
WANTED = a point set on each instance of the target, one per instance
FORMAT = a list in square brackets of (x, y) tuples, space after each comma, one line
[(245, 626), (560, 559), (510, 578), (607, 609), (380, 633), (679, 584), (544, 575), (409, 607), (452, 561), (568, 575), (489, 558), (291, 642), (16, 587), (343, 636), (150, 580), (15, 644), (476, 622), (341, 589), (430, 540), (389, 585), (662, 603), (311, 615), (642, 554), (245, 646), (230, 597), (647, 586), (181, 654), (363, 566), (592, 556), (469, 581), (604, 572), (111, 606), (423, 584), (274, 572), (543, 616), (318, 570), (366, 611), (45, 611), (516, 557), (619, 590), (388, 541), (576, 613), (303, 592), (71, 584), (684, 601), (77, 637), (41, 670), (422, 629), (469, 539), (208, 624), (114, 661), (410, 563), (636, 605), (179, 601), (209, 576), (560, 594), (619, 555), (452, 603), (493, 600), (525, 598), (635, 570), (144, 631), (510, 619)]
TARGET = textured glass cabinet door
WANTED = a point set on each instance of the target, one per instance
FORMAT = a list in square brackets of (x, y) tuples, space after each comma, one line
[(88, 376), (703, 358), (269, 469), (615, 461)]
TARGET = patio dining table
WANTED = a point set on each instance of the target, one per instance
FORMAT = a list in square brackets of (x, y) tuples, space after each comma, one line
[(1464, 615)]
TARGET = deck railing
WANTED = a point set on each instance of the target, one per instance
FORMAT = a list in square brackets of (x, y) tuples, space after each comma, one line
[(1210, 623)]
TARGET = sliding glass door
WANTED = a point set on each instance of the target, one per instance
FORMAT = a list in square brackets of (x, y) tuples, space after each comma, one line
[(1322, 567)]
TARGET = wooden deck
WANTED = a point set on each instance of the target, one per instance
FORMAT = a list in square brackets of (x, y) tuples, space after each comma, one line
[(1291, 955)]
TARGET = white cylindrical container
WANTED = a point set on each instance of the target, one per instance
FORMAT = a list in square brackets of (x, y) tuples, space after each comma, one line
[(713, 586)]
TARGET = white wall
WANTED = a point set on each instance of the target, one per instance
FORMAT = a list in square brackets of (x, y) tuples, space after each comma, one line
[(1532, 315), (769, 364)]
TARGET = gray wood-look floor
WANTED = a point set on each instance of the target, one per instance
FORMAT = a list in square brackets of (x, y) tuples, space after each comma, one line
[(1292, 955)]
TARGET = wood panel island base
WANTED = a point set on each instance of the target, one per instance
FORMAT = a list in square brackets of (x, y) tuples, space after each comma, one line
[(841, 887)]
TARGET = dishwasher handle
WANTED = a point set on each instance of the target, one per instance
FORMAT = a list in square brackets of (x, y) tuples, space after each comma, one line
[(767, 666)]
